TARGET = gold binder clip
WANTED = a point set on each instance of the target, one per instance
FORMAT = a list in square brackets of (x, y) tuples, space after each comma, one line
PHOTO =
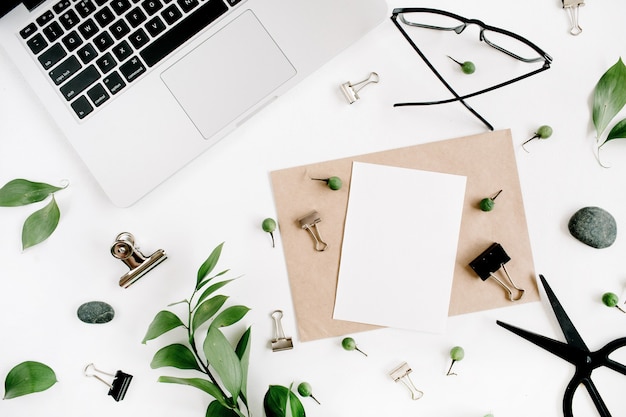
[(119, 385), (401, 374), (280, 342), (491, 260), (571, 7), (350, 91), (309, 222), (124, 249)]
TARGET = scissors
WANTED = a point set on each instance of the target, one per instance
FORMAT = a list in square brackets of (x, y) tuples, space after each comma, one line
[(575, 352)]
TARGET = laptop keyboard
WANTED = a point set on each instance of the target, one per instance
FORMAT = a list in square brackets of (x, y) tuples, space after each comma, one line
[(94, 49)]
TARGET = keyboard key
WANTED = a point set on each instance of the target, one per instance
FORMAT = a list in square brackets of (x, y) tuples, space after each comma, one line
[(82, 107), (87, 53), (98, 94), (53, 31), (152, 6), (132, 69), (28, 31), (233, 2), (85, 8), (114, 82), (136, 17), (171, 14), (45, 18), (104, 17), (69, 19), (106, 62), (53, 55), (101, 2), (37, 43), (155, 26), (122, 51), (138, 38), (72, 41), (103, 41), (61, 6), (88, 28), (80, 82), (120, 6), (65, 70), (188, 5), (183, 31), (119, 29)]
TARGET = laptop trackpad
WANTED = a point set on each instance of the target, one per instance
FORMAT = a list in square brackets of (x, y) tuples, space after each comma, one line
[(228, 74)]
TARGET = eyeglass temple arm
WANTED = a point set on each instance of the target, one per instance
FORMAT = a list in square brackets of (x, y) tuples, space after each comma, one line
[(486, 90), (443, 81)]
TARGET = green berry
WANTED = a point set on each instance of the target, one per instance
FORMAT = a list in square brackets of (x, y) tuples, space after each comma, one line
[(611, 299), (304, 389), (487, 204), (334, 183), (544, 132), (348, 343), (457, 353), (467, 67), (269, 226)]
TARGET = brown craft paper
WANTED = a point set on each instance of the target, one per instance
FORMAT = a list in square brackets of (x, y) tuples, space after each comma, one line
[(488, 162)]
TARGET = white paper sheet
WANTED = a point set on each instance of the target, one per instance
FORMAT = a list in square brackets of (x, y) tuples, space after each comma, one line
[(399, 247)]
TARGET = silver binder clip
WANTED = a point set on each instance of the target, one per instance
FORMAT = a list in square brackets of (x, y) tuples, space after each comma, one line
[(350, 91), (571, 7), (490, 261), (401, 374), (119, 385), (309, 222), (280, 342), (124, 249)]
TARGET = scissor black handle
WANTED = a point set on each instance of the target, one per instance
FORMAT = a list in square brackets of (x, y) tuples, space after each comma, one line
[(582, 376)]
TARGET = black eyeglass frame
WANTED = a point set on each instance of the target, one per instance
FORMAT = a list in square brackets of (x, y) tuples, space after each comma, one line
[(547, 59)]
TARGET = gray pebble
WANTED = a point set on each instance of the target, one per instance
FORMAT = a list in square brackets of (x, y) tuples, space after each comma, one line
[(593, 226), (96, 312)]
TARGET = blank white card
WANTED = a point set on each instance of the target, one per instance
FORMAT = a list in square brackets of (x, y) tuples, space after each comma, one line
[(399, 247)]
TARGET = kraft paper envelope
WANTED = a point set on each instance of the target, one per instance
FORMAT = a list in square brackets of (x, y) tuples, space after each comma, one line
[(488, 162)]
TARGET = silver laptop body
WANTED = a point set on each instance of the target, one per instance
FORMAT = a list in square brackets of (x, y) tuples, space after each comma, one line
[(137, 115)]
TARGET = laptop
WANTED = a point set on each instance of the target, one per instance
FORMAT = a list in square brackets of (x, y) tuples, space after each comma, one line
[(142, 87)]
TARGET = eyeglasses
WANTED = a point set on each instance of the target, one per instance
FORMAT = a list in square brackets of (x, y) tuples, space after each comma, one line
[(509, 43)]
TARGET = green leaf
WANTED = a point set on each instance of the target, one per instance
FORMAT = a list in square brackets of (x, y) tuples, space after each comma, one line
[(618, 132), (206, 310), (209, 264), (163, 322), (243, 353), (27, 378), (40, 225), (20, 192), (202, 384), (210, 290), (609, 96), (216, 409), (222, 358), (275, 402), (230, 316), (176, 355)]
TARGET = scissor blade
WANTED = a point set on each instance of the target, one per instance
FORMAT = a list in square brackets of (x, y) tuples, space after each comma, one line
[(560, 349), (571, 334)]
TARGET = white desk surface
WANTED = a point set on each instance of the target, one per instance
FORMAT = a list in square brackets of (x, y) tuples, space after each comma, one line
[(224, 195)]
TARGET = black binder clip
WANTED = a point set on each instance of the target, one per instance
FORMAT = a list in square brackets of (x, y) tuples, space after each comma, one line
[(124, 249), (490, 261), (117, 388)]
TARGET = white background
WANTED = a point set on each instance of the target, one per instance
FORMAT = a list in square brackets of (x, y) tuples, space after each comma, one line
[(225, 194)]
